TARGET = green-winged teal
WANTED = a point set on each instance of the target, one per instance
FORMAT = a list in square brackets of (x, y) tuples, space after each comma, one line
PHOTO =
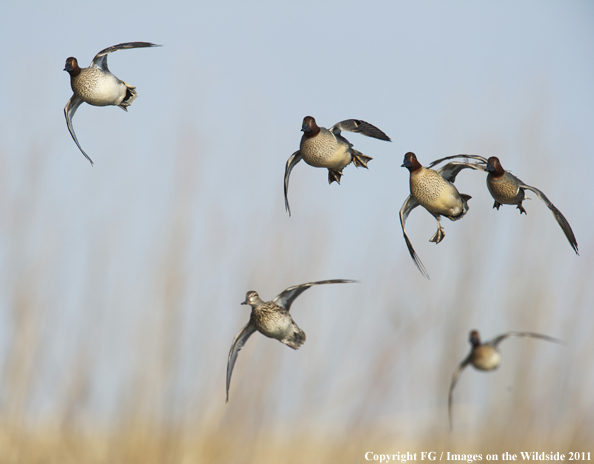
[(486, 357), (272, 318), (434, 191), (327, 148), (97, 86), (507, 189)]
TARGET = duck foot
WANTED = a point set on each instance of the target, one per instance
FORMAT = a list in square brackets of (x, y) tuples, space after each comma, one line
[(439, 235), (360, 160), (334, 176)]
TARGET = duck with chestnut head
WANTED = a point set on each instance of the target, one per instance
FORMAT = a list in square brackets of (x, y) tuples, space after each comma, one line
[(97, 86), (507, 189), (434, 191), (327, 148), (486, 357)]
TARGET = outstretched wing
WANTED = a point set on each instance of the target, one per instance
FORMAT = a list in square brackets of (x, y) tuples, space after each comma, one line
[(451, 170), (286, 298), (482, 159), (563, 223), (237, 345), (291, 162), (69, 111), (407, 207), (455, 376), (362, 127), (497, 340), (100, 60)]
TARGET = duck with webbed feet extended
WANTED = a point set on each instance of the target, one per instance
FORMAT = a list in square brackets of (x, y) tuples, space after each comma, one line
[(327, 148)]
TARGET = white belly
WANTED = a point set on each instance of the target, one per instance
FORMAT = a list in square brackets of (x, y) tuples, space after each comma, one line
[(280, 329), (486, 358), (326, 151), (109, 91)]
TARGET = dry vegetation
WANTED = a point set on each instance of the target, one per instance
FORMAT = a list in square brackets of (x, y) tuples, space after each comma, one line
[(118, 363)]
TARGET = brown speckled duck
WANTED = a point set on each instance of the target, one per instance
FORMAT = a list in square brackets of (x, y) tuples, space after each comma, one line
[(327, 148), (486, 357), (97, 86), (434, 191), (272, 319), (507, 189)]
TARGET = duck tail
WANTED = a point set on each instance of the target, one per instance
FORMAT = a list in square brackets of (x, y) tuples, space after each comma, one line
[(129, 98), (297, 339), (465, 199)]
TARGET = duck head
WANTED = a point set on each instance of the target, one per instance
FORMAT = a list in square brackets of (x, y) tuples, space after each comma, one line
[(494, 166), (251, 298), (474, 338), (309, 127), (72, 66), (411, 162)]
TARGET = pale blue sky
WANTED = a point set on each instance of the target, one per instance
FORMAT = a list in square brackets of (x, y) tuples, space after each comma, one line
[(204, 146)]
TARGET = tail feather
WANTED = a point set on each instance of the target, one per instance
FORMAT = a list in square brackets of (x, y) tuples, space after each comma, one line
[(465, 207), (129, 98), (297, 339)]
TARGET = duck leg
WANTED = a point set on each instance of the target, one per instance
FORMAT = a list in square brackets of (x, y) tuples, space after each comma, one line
[(521, 208), (440, 234)]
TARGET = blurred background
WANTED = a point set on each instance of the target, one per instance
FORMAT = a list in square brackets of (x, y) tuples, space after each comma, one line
[(120, 284)]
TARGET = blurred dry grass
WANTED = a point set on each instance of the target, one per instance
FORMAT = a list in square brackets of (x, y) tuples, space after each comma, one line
[(170, 445), (129, 372)]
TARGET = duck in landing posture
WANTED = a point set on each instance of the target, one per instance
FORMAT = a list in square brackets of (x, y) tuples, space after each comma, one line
[(486, 357), (327, 148), (272, 319), (507, 189), (434, 191), (97, 86)]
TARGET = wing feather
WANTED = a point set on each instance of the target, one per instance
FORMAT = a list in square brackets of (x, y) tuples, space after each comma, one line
[(497, 340), (361, 127), (455, 376), (69, 111), (291, 162), (482, 159), (563, 223), (451, 170), (286, 298), (407, 207), (238, 343), (100, 60)]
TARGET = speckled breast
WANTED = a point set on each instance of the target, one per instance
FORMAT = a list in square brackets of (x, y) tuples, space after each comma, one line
[(434, 193), (486, 358), (505, 189), (98, 88), (273, 322), (325, 151)]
